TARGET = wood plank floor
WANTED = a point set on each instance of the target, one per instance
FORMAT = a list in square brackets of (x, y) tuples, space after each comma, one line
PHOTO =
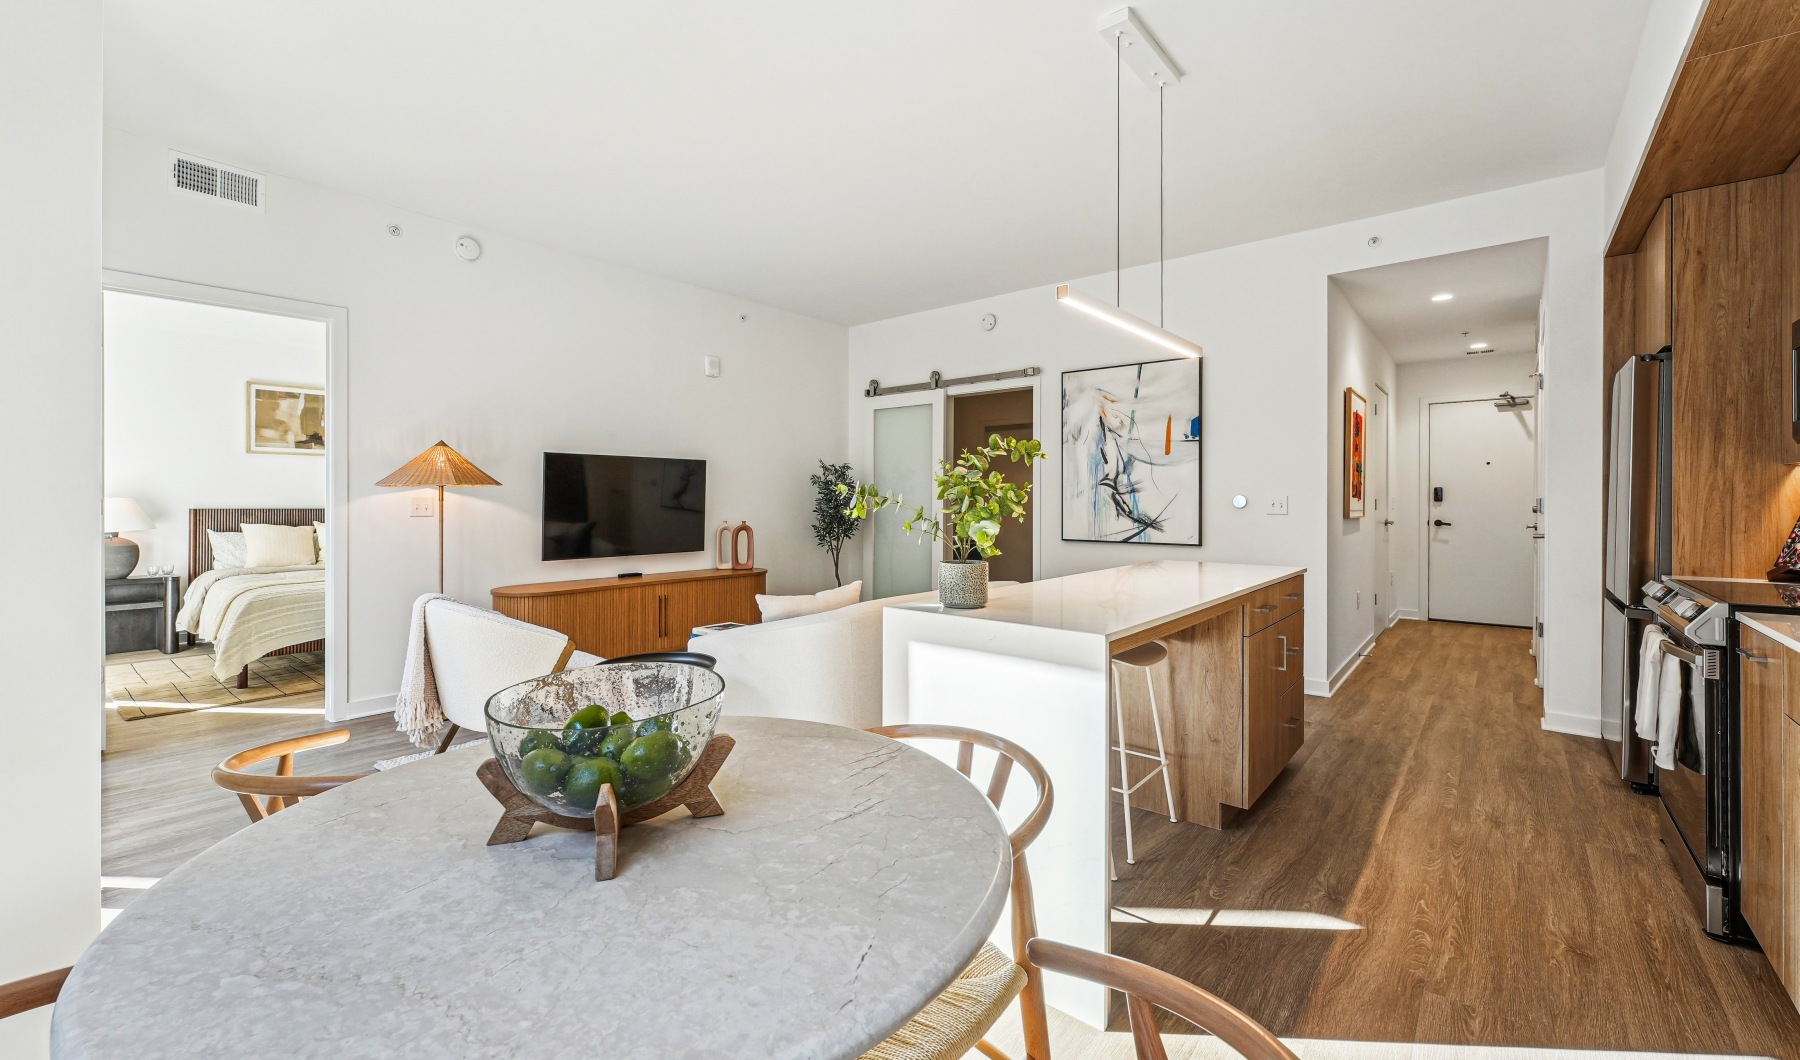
[(159, 806), (1498, 885)]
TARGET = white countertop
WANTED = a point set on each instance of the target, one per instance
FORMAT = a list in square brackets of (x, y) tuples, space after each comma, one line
[(1120, 601), (1784, 628)]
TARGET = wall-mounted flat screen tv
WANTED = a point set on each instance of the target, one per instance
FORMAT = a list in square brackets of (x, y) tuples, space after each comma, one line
[(600, 506)]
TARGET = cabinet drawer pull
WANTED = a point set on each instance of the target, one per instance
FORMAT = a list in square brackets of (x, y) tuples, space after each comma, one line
[(1291, 723), (1293, 651), (1293, 596), (1285, 651), (1266, 608)]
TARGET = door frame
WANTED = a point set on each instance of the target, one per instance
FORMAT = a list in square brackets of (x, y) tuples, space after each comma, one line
[(939, 432), (1385, 618), (1040, 474), (337, 455), (1423, 529)]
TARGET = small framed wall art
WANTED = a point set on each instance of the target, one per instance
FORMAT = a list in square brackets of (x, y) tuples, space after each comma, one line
[(1356, 453), (285, 420)]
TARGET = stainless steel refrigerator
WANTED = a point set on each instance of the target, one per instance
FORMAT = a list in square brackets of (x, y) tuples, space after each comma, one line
[(1639, 455)]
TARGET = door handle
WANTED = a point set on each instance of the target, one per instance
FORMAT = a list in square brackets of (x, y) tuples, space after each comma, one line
[(1747, 657), (1387, 522), (1284, 650), (1531, 526), (1291, 723), (1439, 522)]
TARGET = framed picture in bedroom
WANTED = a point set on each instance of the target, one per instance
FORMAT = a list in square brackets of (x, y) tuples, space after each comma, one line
[(1131, 453), (1356, 453), (285, 420)]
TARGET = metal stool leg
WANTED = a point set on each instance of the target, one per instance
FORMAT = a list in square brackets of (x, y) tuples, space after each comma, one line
[(1162, 756), (1124, 774)]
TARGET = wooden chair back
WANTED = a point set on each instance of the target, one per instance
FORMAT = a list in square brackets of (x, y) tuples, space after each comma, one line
[(1147, 989), (23, 995), (1007, 756), (280, 789)]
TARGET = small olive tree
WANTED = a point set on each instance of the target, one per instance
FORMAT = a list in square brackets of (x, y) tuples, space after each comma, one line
[(832, 525)]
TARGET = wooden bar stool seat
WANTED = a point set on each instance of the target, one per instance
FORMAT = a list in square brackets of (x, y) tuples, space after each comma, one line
[(1145, 659)]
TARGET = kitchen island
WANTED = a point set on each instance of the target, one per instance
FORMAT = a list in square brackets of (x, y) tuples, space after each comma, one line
[(1032, 666)]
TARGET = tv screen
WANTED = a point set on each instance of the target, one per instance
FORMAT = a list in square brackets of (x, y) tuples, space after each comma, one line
[(600, 506)]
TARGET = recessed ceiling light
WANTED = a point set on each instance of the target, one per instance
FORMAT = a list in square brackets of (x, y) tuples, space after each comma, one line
[(1477, 345), (1445, 297)]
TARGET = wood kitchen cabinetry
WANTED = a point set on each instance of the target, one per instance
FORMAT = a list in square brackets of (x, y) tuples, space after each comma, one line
[(622, 616), (1769, 699)]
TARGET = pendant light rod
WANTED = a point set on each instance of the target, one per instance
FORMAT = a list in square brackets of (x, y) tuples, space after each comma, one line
[(1118, 318), (1118, 170), (1161, 257)]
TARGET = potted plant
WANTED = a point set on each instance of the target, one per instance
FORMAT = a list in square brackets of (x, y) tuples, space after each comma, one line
[(832, 525), (972, 498)]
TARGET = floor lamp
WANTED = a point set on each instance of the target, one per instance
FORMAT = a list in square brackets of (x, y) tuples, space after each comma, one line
[(439, 466)]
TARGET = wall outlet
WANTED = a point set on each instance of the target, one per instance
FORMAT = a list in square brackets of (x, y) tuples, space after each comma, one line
[(1277, 506), (710, 365), (421, 505)]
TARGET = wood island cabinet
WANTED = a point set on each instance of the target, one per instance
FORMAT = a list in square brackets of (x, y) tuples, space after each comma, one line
[(622, 616), (1769, 700)]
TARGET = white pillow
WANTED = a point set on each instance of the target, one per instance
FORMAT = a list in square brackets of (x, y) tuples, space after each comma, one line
[(319, 541), (268, 545), (228, 549), (776, 608)]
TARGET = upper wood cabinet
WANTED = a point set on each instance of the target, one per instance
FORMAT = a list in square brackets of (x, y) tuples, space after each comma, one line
[(1652, 296)]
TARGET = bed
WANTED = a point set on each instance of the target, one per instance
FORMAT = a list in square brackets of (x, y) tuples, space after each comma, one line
[(251, 612)]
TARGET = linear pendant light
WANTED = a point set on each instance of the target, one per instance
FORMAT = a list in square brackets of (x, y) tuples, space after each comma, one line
[(1113, 314)]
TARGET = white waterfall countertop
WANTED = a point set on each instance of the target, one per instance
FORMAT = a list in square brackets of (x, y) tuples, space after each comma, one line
[(1121, 601)]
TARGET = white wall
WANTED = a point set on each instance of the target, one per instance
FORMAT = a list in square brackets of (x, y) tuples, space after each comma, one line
[(1668, 28), (1420, 385), (1260, 311), (50, 110), (526, 350), (1356, 358), (176, 375)]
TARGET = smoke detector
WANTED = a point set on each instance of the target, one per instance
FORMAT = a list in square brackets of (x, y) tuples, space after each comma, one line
[(232, 185)]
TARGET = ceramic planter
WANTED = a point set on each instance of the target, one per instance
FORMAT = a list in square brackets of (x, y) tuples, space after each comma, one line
[(963, 584)]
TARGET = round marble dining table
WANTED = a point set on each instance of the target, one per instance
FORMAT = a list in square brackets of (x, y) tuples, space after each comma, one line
[(850, 878)]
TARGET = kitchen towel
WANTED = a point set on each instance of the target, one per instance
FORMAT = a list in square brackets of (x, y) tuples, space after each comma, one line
[(1668, 712), (1649, 675)]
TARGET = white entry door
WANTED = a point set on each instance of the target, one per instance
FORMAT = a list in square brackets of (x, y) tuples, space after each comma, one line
[(1478, 511), (906, 442)]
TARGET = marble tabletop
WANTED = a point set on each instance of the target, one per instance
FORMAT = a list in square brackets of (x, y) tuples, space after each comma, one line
[(849, 879)]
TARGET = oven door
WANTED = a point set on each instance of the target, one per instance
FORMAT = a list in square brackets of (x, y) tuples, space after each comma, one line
[(1696, 791)]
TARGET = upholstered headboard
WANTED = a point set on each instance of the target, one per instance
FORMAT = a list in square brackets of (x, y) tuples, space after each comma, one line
[(229, 520)]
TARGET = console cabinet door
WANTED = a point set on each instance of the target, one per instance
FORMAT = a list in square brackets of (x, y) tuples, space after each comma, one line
[(1787, 960), (1761, 677), (1273, 660)]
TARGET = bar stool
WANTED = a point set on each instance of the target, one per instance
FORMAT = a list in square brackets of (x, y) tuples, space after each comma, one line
[(1144, 658)]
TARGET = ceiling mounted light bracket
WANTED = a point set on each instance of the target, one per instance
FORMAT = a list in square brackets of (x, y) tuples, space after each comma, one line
[(1123, 29)]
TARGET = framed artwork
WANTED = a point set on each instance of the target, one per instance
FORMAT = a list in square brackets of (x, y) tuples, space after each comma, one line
[(1131, 453), (1356, 453), (285, 420)]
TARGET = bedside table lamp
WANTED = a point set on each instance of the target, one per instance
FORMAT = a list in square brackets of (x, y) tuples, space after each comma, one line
[(122, 515), (439, 466)]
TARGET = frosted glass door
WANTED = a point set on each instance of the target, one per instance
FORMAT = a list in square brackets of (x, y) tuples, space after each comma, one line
[(904, 445)]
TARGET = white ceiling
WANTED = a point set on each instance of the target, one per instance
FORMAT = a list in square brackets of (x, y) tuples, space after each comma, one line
[(1496, 293), (854, 161)]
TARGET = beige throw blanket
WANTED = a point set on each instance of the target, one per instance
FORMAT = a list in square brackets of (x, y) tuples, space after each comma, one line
[(251, 611)]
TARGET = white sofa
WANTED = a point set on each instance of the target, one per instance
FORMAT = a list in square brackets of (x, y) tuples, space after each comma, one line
[(824, 667)]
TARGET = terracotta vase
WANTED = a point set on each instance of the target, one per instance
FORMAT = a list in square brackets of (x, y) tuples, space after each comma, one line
[(743, 547)]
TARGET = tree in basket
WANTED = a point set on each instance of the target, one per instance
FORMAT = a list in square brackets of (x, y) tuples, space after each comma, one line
[(832, 525), (972, 498)]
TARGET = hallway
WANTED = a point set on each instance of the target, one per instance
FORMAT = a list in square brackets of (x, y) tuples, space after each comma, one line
[(1434, 867)]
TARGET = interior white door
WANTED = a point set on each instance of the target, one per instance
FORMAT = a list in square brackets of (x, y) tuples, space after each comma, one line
[(1380, 510), (1478, 510), (906, 442)]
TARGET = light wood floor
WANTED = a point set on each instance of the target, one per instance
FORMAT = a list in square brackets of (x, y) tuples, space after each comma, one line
[(1495, 883), (159, 806)]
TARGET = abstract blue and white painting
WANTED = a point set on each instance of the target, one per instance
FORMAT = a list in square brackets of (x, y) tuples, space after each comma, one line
[(1131, 453)]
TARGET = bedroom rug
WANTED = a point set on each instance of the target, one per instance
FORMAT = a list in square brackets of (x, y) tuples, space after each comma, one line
[(142, 685)]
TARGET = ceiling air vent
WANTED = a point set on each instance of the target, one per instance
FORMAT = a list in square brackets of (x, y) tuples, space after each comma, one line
[(192, 175)]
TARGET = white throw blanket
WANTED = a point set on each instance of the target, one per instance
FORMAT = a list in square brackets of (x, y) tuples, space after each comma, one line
[(249, 612), (417, 712)]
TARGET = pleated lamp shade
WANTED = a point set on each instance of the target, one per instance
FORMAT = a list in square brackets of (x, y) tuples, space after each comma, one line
[(439, 465)]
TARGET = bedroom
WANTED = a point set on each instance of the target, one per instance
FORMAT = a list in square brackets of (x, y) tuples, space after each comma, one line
[(215, 485)]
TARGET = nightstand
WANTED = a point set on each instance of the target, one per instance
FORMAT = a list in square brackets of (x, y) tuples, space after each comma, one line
[(140, 614)]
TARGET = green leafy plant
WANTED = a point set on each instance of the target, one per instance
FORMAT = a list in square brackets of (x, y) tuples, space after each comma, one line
[(972, 498), (832, 525)]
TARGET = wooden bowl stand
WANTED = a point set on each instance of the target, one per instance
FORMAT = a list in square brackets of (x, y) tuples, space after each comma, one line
[(694, 792)]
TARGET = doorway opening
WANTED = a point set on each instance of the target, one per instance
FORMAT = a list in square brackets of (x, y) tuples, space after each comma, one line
[(1435, 343), (908, 435)]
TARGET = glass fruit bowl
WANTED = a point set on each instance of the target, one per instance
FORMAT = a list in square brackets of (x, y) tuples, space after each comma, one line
[(639, 726)]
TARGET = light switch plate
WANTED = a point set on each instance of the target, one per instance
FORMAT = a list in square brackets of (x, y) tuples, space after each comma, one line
[(421, 505), (1277, 506), (710, 365)]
